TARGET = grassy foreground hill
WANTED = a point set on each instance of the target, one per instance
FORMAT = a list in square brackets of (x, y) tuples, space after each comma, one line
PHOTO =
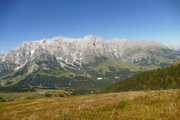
[(161, 104), (162, 78)]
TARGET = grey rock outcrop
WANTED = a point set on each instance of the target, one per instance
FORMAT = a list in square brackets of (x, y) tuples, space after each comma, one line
[(44, 55), (41, 56)]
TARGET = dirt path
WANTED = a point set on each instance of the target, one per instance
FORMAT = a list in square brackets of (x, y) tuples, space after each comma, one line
[(28, 95), (42, 92)]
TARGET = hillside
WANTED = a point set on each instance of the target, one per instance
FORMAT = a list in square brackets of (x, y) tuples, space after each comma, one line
[(46, 73), (84, 63), (163, 104), (115, 70), (162, 78)]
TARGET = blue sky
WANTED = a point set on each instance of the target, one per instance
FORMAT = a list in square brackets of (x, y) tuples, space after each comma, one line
[(29, 20)]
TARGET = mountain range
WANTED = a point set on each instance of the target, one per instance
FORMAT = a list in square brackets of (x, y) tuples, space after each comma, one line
[(82, 62), (174, 47)]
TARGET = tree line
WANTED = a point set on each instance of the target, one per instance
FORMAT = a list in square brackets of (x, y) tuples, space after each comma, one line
[(17, 89), (162, 78)]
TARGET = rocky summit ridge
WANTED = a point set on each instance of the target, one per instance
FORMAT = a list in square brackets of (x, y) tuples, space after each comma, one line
[(71, 50)]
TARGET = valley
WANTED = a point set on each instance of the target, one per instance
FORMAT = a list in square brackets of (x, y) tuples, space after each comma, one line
[(86, 77), (38, 93)]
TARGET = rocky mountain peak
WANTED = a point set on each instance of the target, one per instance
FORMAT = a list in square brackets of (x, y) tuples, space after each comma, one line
[(89, 37), (81, 49)]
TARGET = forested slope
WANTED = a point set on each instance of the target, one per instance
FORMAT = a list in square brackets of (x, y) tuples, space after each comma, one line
[(162, 78)]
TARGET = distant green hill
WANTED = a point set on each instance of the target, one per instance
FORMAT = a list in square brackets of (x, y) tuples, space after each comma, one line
[(73, 76), (162, 78), (51, 72), (114, 70)]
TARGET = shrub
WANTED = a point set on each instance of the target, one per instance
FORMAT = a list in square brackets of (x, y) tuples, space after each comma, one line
[(111, 68), (61, 95), (70, 75), (2, 100), (48, 95)]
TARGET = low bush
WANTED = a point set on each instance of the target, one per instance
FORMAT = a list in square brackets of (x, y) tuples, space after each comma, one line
[(48, 95), (61, 95)]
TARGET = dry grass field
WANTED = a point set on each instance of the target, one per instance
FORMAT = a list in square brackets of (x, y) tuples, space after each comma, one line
[(160, 105), (13, 96)]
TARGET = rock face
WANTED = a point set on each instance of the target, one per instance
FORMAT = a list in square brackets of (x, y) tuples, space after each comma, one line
[(174, 47), (44, 55), (41, 56), (81, 49)]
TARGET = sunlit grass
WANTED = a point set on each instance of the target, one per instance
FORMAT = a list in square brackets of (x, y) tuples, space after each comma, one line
[(164, 104)]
